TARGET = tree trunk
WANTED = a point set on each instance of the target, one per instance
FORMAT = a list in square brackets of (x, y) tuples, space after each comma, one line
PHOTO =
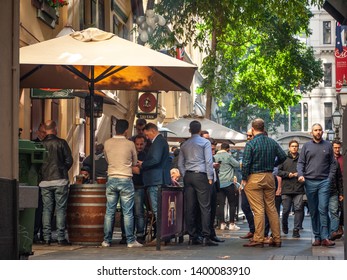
[(209, 98), (132, 107)]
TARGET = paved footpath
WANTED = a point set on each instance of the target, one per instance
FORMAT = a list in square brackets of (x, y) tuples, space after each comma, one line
[(292, 249)]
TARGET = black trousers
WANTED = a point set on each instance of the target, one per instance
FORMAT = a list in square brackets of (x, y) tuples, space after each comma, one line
[(230, 193), (197, 191)]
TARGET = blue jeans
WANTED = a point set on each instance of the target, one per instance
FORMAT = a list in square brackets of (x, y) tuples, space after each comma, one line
[(152, 192), (122, 188), (318, 194), (55, 195), (334, 213), (139, 212)]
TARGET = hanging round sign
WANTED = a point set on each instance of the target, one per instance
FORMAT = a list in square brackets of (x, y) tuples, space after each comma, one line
[(147, 102)]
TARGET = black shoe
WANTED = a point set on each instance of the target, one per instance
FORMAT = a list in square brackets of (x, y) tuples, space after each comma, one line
[(296, 233), (63, 242), (38, 240), (208, 242), (216, 239), (123, 241), (195, 241), (141, 239), (285, 229)]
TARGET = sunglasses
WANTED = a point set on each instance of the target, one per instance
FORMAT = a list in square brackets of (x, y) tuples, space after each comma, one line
[(249, 135)]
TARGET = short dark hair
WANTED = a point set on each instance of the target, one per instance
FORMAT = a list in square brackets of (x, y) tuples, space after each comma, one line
[(150, 126), (338, 142), (203, 132), (225, 146), (293, 141), (195, 127), (140, 137), (141, 122), (121, 126), (258, 124), (99, 148)]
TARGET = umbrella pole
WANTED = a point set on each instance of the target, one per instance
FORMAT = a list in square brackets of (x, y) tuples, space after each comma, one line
[(92, 132)]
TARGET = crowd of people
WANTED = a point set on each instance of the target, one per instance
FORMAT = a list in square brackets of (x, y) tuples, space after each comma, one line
[(137, 167)]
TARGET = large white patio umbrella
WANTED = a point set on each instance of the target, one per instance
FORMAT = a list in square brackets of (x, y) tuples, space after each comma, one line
[(93, 59), (217, 131)]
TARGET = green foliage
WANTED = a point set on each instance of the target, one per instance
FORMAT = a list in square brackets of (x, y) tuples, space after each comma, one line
[(257, 57), (239, 120)]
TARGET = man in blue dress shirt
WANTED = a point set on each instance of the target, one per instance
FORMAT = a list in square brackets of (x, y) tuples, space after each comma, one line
[(195, 163)]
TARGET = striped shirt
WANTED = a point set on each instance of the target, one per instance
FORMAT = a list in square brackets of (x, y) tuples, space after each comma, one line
[(260, 154)]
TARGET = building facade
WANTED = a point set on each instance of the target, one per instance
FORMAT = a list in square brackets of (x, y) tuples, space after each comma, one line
[(318, 105), (39, 22)]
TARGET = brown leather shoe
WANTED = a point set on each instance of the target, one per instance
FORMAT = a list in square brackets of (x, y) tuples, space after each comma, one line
[(267, 240), (317, 242), (254, 244), (327, 243), (247, 236), (335, 235), (275, 244)]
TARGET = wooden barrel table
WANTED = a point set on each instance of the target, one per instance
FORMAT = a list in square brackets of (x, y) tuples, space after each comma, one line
[(86, 209)]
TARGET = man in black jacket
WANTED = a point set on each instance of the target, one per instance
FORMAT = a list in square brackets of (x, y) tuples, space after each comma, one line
[(54, 183), (336, 195), (292, 190)]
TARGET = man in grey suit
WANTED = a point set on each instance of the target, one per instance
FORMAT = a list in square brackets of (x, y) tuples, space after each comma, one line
[(156, 166)]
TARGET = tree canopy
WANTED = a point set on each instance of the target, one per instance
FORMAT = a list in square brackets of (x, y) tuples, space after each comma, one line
[(254, 54)]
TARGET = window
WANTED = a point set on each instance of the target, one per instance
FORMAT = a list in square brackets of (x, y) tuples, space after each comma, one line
[(305, 116), (327, 74), (328, 112), (326, 32), (98, 13), (295, 118), (92, 14)]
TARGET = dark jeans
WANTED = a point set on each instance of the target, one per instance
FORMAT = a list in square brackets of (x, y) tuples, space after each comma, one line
[(297, 200), (246, 209), (341, 213), (230, 193), (54, 195), (38, 217)]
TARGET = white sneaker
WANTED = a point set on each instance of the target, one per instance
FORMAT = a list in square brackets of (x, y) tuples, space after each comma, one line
[(223, 226), (233, 227), (134, 244), (105, 244)]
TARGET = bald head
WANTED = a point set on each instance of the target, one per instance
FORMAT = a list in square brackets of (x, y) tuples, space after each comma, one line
[(258, 125), (51, 127)]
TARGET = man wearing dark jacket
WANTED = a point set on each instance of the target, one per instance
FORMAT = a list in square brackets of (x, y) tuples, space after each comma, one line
[(292, 190), (54, 183), (156, 166), (336, 195)]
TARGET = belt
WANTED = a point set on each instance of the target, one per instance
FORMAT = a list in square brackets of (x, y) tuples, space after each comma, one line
[(196, 172)]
